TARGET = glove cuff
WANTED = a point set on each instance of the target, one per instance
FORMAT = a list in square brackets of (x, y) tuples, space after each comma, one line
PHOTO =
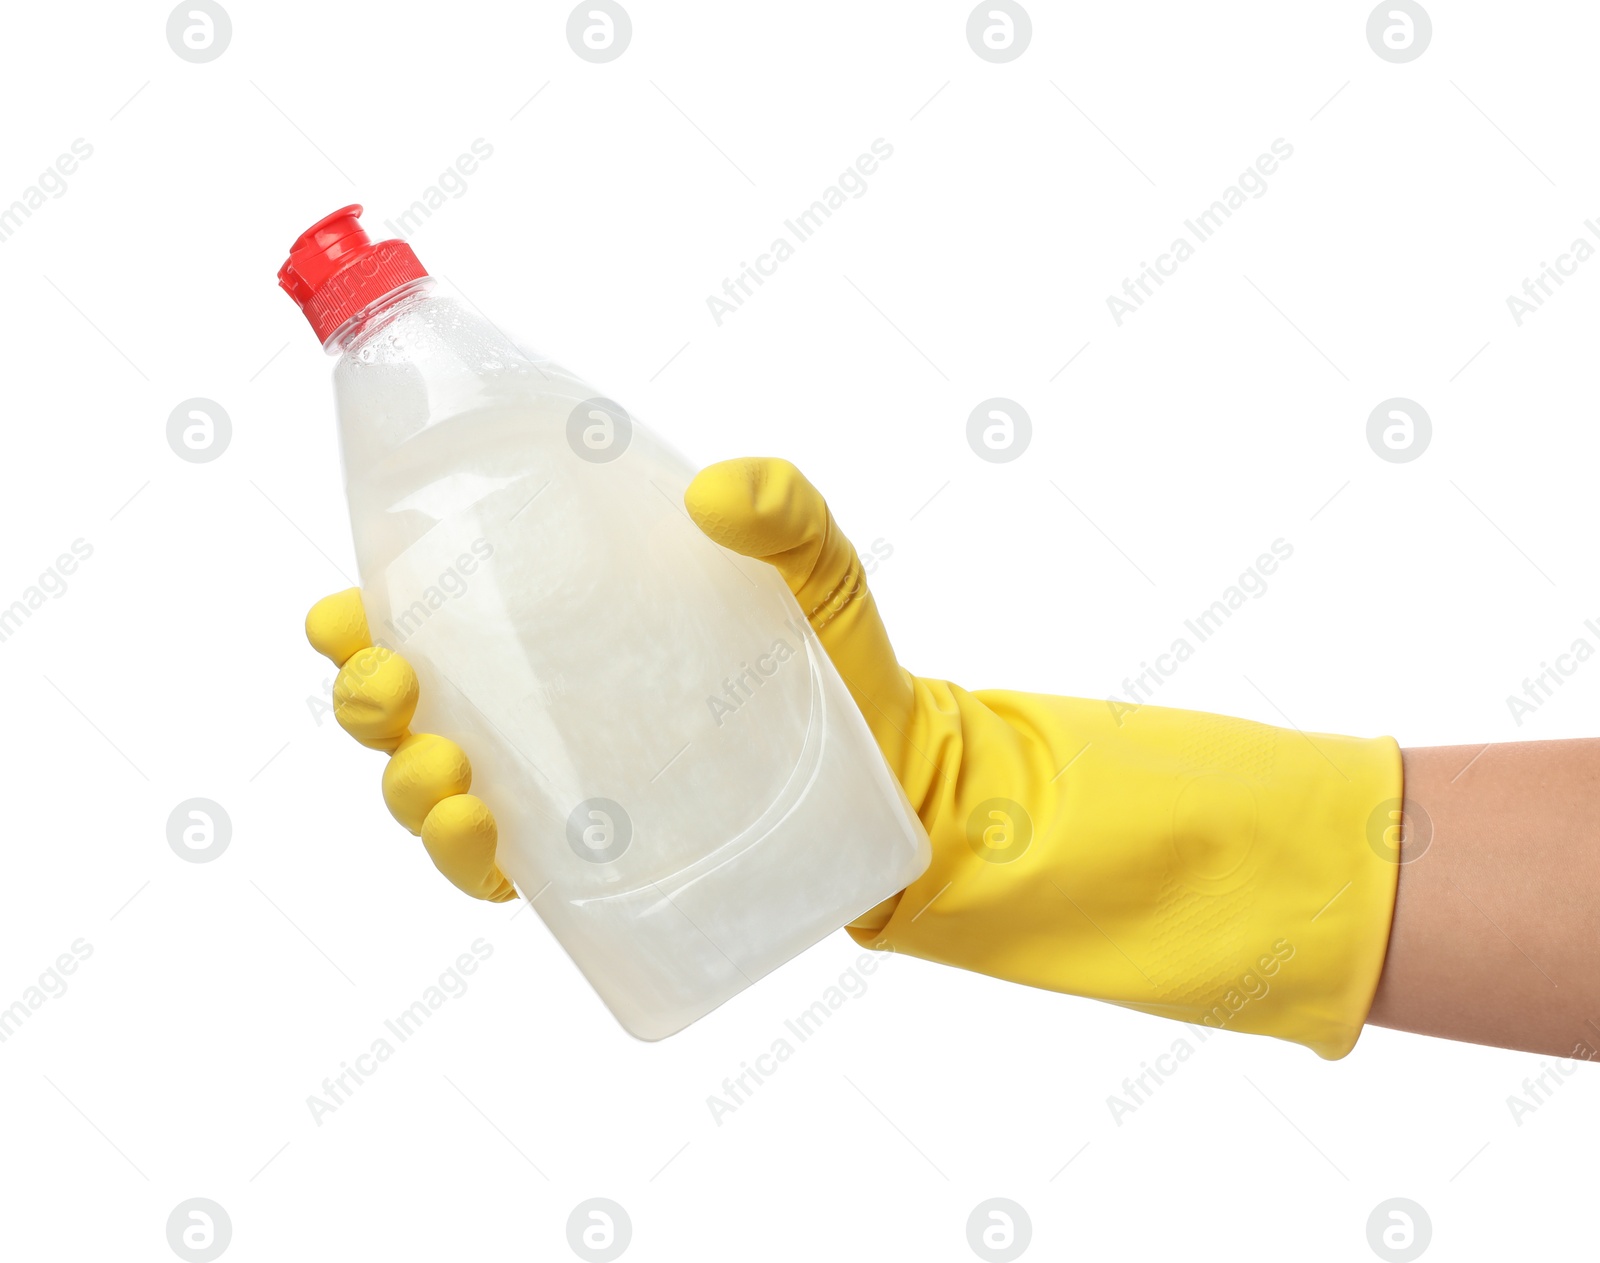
[(1222, 872)]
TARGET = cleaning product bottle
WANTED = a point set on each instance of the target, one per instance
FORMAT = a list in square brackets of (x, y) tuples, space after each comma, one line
[(685, 790)]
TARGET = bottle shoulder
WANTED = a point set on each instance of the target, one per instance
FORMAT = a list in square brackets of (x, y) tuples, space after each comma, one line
[(435, 334)]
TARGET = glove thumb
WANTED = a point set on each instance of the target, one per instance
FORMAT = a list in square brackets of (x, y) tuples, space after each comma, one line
[(765, 508)]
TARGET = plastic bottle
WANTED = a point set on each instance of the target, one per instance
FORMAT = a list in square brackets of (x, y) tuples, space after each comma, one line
[(684, 789)]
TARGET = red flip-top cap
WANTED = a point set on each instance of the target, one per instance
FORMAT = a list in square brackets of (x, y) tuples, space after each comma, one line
[(334, 270)]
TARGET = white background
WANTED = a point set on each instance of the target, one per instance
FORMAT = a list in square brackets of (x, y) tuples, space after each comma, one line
[(1229, 412)]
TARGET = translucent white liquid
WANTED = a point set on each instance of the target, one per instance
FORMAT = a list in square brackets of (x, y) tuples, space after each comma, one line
[(684, 788)]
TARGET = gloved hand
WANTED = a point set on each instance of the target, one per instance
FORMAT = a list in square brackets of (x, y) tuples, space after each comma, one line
[(1208, 869)]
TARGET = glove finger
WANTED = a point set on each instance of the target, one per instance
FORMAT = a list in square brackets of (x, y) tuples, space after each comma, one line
[(461, 835), (376, 691), (422, 772), (375, 696), (426, 778), (336, 626), (767, 509)]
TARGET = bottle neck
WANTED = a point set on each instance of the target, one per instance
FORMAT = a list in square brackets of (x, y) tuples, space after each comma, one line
[(377, 314)]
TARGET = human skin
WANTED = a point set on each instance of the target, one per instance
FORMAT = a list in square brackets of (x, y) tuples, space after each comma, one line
[(1496, 933)]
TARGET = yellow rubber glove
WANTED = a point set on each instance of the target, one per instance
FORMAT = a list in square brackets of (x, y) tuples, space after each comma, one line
[(1208, 869)]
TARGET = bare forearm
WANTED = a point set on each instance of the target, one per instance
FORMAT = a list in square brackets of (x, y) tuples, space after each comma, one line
[(1496, 936)]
